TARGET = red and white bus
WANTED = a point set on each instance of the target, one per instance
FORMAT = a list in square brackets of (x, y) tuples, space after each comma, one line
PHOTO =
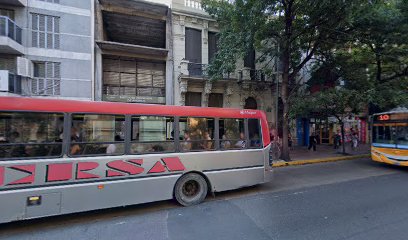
[(64, 156)]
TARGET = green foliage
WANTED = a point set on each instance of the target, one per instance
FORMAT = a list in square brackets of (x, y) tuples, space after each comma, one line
[(337, 102), (263, 25), (377, 63)]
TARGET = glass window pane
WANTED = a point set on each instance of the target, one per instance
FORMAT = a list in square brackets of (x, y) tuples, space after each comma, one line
[(232, 134), (402, 134), (152, 134), (196, 134), (384, 134), (30, 134), (97, 134), (254, 130)]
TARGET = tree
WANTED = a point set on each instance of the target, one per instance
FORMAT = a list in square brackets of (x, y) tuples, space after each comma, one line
[(372, 55), (289, 30), (333, 102)]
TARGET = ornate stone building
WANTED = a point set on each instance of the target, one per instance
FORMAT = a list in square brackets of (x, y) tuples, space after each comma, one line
[(194, 45)]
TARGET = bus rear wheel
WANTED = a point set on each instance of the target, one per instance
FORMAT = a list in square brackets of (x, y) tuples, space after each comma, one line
[(190, 189)]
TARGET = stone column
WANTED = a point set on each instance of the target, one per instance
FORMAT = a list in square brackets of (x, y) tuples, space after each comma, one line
[(229, 90), (183, 83), (206, 93)]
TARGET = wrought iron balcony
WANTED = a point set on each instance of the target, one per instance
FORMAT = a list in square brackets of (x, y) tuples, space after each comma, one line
[(197, 69), (247, 74), (9, 28)]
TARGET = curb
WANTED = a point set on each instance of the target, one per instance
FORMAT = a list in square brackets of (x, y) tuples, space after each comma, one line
[(319, 160)]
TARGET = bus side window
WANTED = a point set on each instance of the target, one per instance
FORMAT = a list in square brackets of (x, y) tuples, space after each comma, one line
[(196, 134), (30, 134), (232, 134), (152, 134), (94, 134), (402, 134), (255, 134)]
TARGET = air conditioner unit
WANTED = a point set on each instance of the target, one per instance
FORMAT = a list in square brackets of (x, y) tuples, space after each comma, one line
[(4, 80), (24, 67)]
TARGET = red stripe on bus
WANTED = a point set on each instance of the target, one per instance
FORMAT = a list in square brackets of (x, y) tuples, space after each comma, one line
[(136, 161), (157, 168), (173, 164), (30, 169), (83, 167), (59, 172), (123, 167)]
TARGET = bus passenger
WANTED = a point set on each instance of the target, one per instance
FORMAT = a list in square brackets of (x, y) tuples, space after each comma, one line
[(207, 143), (186, 143), (242, 142), (157, 148), (255, 141), (111, 149), (75, 148), (16, 150), (225, 144)]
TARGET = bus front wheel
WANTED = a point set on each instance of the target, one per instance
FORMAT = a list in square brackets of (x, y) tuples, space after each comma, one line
[(190, 189)]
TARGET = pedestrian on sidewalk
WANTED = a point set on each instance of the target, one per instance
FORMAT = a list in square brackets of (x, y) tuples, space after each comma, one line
[(312, 141), (337, 139), (354, 141)]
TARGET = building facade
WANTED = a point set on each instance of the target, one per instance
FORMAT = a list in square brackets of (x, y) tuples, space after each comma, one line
[(154, 51), (194, 46), (133, 56), (46, 48)]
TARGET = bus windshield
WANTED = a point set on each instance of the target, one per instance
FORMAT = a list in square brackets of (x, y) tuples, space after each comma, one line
[(391, 134), (383, 134)]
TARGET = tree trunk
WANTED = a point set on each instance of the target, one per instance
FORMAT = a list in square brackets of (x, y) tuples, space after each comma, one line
[(286, 47), (343, 138), (285, 129), (284, 90), (379, 67)]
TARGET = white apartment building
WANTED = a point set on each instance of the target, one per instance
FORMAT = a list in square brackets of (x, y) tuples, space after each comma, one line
[(46, 48)]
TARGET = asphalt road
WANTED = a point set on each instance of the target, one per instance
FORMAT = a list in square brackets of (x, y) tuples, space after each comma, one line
[(356, 199)]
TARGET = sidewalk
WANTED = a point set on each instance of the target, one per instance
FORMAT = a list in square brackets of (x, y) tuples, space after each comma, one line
[(324, 153)]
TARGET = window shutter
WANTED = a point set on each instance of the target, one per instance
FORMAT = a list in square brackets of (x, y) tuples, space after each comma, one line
[(193, 45), (56, 29), (40, 86), (41, 23), (34, 40), (49, 86), (57, 70), (34, 23), (34, 86), (57, 87), (41, 43), (34, 27)]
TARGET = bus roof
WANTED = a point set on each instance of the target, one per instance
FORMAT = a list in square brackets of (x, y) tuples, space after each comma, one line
[(394, 111), (70, 106)]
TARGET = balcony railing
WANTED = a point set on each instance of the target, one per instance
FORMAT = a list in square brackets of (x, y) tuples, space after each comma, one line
[(201, 71), (197, 69), (247, 74), (10, 29), (193, 4)]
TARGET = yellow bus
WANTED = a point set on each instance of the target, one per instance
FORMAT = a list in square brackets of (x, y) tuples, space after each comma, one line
[(390, 137)]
